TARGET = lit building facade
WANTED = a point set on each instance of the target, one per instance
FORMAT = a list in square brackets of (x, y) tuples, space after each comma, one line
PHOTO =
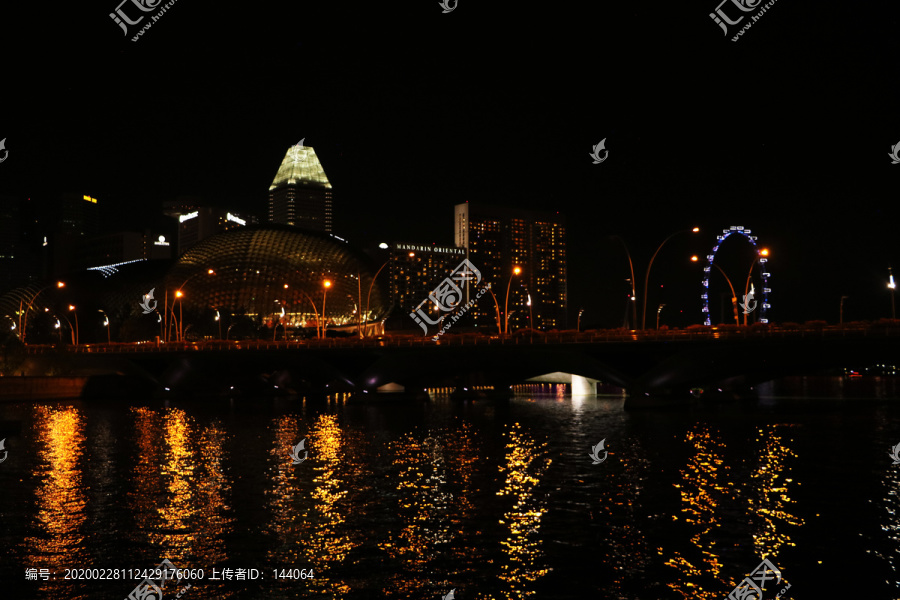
[(300, 194), (498, 239), (277, 274), (415, 270)]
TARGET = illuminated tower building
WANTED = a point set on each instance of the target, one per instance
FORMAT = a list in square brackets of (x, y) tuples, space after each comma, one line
[(498, 239), (300, 195)]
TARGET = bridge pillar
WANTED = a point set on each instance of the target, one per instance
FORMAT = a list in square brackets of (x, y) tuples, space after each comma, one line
[(583, 386)]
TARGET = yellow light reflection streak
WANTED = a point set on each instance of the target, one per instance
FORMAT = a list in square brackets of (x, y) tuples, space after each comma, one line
[(60, 502), (526, 463), (706, 488), (770, 497), (180, 497)]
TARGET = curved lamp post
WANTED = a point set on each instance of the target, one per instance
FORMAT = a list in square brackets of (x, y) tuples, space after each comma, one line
[(647, 276), (516, 271), (325, 284), (763, 253), (106, 324), (23, 322), (632, 280), (891, 286), (75, 312), (737, 320), (369, 297)]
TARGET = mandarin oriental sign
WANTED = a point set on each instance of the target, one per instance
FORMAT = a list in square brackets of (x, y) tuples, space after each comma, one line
[(429, 249)]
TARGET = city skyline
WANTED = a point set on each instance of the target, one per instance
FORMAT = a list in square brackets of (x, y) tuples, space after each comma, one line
[(748, 139)]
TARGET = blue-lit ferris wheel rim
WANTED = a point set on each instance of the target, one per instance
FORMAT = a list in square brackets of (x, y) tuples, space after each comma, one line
[(704, 296)]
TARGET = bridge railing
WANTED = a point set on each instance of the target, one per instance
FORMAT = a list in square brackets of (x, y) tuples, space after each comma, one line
[(475, 339)]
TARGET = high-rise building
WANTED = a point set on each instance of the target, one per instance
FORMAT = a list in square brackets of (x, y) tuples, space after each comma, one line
[(414, 271), (300, 195), (196, 221), (499, 239)]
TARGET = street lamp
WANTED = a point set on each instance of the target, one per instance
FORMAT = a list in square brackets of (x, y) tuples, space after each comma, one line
[(23, 323), (369, 296), (578, 324), (106, 324), (737, 320), (516, 271), (74, 312), (530, 314), (647, 276), (497, 306), (178, 328), (632, 281), (892, 286), (178, 294), (659, 310), (763, 253), (325, 284), (219, 321)]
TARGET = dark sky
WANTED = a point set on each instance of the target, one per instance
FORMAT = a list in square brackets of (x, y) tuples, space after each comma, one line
[(786, 131)]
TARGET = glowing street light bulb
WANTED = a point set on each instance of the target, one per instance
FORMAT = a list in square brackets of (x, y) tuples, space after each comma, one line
[(891, 284), (695, 229), (694, 258), (60, 284), (327, 283), (71, 307), (179, 294)]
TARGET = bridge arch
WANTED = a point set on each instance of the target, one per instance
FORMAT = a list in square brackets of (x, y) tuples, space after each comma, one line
[(726, 233)]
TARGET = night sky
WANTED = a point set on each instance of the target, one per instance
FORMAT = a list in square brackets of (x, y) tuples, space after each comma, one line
[(786, 131)]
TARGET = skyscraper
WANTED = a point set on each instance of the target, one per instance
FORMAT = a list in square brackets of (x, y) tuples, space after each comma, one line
[(498, 239), (414, 271), (300, 195)]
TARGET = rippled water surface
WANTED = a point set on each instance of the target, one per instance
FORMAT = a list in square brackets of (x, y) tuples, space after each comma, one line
[(495, 500)]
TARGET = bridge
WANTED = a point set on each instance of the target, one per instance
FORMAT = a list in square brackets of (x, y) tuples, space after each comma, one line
[(653, 367)]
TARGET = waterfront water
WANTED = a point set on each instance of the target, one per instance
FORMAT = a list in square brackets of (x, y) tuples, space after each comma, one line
[(494, 500)]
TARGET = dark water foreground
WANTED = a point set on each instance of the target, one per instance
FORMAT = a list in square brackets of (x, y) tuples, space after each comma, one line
[(494, 500)]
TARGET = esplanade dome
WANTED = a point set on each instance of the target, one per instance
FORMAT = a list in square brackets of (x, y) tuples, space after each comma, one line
[(270, 272)]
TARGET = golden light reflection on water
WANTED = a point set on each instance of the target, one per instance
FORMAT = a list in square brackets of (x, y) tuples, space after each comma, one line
[(423, 508), (706, 488), (770, 498), (60, 503), (308, 520), (709, 493), (180, 492), (526, 462), (628, 553)]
